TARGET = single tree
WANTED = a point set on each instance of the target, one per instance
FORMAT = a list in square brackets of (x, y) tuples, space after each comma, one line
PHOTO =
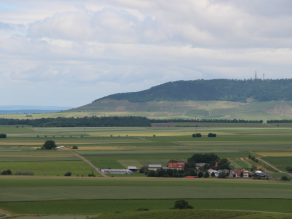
[(182, 204), (200, 174), (68, 173), (213, 174), (206, 175), (49, 145), (241, 174), (285, 178)]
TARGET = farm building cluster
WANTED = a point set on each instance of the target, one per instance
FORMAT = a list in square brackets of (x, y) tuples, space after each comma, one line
[(179, 166)]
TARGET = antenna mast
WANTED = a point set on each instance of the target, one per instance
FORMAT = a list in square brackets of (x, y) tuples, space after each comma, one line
[(255, 75), (263, 76)]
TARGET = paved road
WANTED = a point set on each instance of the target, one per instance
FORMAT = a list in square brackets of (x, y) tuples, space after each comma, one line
[(94, 167), (272, 166), (6, 214)]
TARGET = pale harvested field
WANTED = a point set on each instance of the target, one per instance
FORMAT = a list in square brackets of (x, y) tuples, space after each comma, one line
[(275, 154)]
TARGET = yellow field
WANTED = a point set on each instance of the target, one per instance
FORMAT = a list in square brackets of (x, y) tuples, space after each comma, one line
[(275, 154), (149, 134)]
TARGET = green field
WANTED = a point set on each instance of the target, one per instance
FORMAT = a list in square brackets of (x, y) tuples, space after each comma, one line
[(280, 162), (107, 206), (45, 168), (49, 192)]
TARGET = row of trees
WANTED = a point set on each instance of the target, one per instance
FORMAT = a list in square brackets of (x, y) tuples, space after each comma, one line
[(3, 136), (280, 121), (206, 120), (216, 89), (114, 121)]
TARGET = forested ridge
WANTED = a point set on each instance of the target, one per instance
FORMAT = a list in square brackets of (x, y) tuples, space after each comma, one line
[(216, 89), (125, 121)]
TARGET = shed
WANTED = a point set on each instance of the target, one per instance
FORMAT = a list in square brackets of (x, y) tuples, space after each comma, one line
[(154, 166), (132, 168)]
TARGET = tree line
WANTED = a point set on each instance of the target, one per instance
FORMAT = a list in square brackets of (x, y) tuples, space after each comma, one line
[(114, 121), (206, 120), (280, 121), (208, 90)]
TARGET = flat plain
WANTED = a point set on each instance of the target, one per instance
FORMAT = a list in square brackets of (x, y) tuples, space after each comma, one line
[(49, 192)]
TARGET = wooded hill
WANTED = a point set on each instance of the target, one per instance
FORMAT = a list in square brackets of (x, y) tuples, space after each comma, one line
[(208, 90)]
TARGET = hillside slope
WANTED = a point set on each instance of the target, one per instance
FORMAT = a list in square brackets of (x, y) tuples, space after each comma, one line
[(217, 89), (202, 99), (188, 109)]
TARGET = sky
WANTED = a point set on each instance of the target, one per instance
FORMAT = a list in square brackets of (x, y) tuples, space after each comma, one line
[(69, 53)]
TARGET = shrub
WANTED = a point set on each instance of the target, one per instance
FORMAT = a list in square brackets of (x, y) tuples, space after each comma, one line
[(91, 175), (285, 178), (200, 174), (182, 204), (3, 136), (68, 173), (24, 173), (142, 209), (257, 177), (222, 175), (212, 135), (74, 147), (6, 172), (289, 169), (206, 175)]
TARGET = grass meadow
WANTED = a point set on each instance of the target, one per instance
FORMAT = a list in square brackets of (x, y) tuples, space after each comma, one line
[(49, 192), (108, 206), (50, 168)]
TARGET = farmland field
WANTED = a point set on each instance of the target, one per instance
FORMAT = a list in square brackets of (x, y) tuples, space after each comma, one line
[(50, 192)]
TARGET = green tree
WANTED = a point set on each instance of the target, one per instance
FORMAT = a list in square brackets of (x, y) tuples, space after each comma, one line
[(182, 204), (49, 145), (223, 164), (222, 175), (74, 147), (68, 173), (284, 178), (241, 174), (213, 174), (206, 175), (200, 174)]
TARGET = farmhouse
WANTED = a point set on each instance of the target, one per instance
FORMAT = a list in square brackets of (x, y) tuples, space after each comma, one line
[(238, 173), (154, 166), (200, 165), (116, 171), (176, 165), (210, 171), (132, 168)]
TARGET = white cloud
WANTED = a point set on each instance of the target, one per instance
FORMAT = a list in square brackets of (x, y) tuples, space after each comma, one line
[(51, 50)]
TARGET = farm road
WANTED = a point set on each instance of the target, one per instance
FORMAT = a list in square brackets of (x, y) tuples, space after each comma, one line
[(97, 170), (6, 214), (272, 166)]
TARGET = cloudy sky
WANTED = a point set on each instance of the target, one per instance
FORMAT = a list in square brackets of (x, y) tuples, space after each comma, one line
[(69, 53)]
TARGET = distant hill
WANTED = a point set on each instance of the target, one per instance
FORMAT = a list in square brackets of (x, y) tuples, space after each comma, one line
[(209, 90), (200, 99)]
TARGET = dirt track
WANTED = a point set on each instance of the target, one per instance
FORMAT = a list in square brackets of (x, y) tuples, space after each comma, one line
[(97, 170), (6, 214)]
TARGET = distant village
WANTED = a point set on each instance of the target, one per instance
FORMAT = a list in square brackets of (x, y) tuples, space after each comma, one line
[(190, 169)]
